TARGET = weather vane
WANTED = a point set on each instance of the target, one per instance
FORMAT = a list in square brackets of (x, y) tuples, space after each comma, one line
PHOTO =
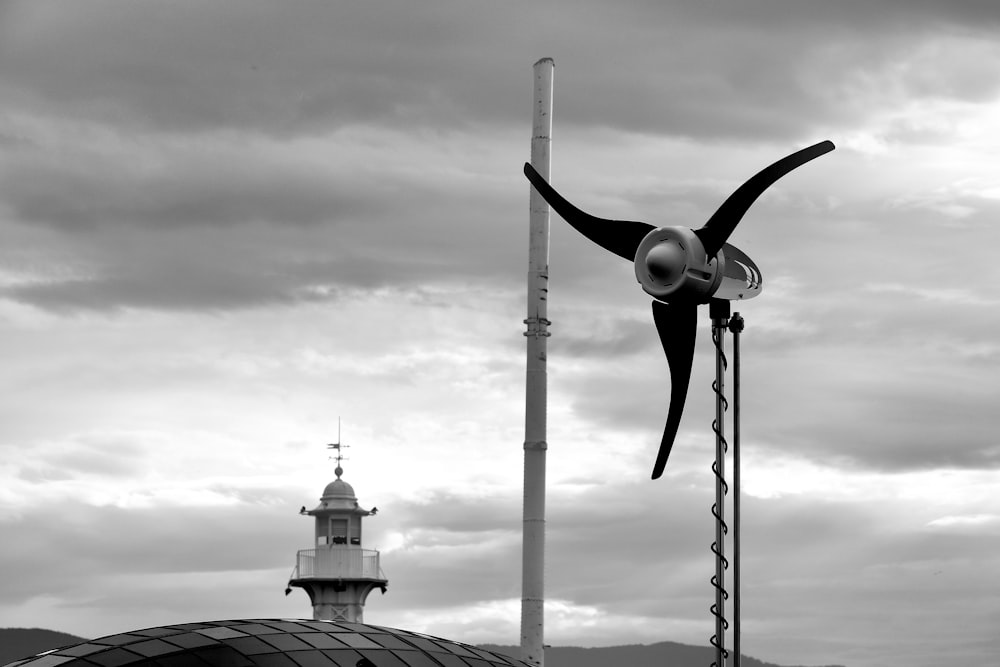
[(682, 268), (340, 449)]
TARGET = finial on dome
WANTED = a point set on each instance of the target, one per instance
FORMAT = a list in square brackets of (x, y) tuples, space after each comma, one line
[(338, 471)]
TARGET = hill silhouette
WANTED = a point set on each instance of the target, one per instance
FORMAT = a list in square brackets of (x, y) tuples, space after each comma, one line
[(17, 643), (661, 654)]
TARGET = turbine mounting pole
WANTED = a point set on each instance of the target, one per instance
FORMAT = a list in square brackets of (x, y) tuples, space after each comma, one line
[(536, 381), (719, 311), (736, 328)]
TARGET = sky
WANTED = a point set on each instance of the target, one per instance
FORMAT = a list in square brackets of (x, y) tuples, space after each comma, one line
[(227, 225)]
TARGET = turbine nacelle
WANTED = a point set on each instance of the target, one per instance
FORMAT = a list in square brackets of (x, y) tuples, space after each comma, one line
[(671, 265)]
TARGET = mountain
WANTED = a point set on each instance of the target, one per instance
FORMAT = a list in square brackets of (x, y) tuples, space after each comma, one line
[(17, 643), (662, 654)]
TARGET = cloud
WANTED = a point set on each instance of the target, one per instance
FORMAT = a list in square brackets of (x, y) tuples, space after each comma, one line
[(112, 455), (110, 541), (254, 223), (319, 67)]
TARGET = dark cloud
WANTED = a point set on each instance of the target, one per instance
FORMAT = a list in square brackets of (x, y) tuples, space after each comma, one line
[(197, 233), (187, 67), (148, 542), (168, 115), (204, 268), (105, 456), (208, 292), (897, 430), (78, 192)]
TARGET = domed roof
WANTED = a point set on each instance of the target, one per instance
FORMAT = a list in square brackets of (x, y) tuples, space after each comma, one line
[(338, 489), (267, 643)]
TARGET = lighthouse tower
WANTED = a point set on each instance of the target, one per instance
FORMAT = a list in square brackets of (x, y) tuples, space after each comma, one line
[(339, 573)]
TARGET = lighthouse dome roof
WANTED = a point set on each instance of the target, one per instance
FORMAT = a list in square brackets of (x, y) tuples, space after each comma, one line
[(339, 489)]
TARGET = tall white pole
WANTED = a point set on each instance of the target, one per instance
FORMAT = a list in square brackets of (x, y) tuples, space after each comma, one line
[(533, 545)]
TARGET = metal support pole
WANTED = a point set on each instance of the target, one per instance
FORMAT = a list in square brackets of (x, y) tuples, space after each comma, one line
[(535, 445), (719, 312), (736, 327)]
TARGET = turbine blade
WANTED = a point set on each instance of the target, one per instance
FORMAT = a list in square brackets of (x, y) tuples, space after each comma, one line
[(677, 326), (621, 237), (722, 223)]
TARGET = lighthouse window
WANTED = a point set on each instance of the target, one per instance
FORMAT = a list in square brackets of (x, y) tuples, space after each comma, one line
[(338, 531)]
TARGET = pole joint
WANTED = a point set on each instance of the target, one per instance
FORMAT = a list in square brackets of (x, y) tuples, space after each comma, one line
[(536, 327)]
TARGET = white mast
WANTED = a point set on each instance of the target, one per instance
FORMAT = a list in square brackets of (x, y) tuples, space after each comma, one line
[(533, 546)]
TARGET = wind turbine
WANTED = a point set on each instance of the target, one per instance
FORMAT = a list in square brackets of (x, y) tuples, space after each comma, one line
[(682, 268)]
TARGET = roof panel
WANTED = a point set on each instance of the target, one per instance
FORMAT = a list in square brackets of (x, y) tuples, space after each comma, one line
[(383, 658), (152, 647), (117, 640), (113, 658), (220, 633), (415, 658), (389, 641), (321, 640), (256, 629), (157, 632), (343, 657), (81, 649), (274, 660), (285, 642), (250, 645), (357, 641), (449, 660), (313, 658), (190, 640), (322, 626), (288, 626)]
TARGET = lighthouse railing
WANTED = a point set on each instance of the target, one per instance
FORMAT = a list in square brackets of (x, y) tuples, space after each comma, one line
[(339, 562)]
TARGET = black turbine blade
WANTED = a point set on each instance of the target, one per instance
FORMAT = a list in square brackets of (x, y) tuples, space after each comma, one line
[(677, 326), (724, 221), (621, 237)]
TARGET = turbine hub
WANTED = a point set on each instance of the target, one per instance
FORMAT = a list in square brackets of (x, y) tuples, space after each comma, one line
[(671, 265), (666, 261)]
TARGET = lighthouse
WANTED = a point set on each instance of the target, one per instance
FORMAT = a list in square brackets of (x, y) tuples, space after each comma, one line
[(338, 573)]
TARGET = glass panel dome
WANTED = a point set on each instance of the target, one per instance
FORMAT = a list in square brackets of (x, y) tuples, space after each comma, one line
[(269, 643)]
